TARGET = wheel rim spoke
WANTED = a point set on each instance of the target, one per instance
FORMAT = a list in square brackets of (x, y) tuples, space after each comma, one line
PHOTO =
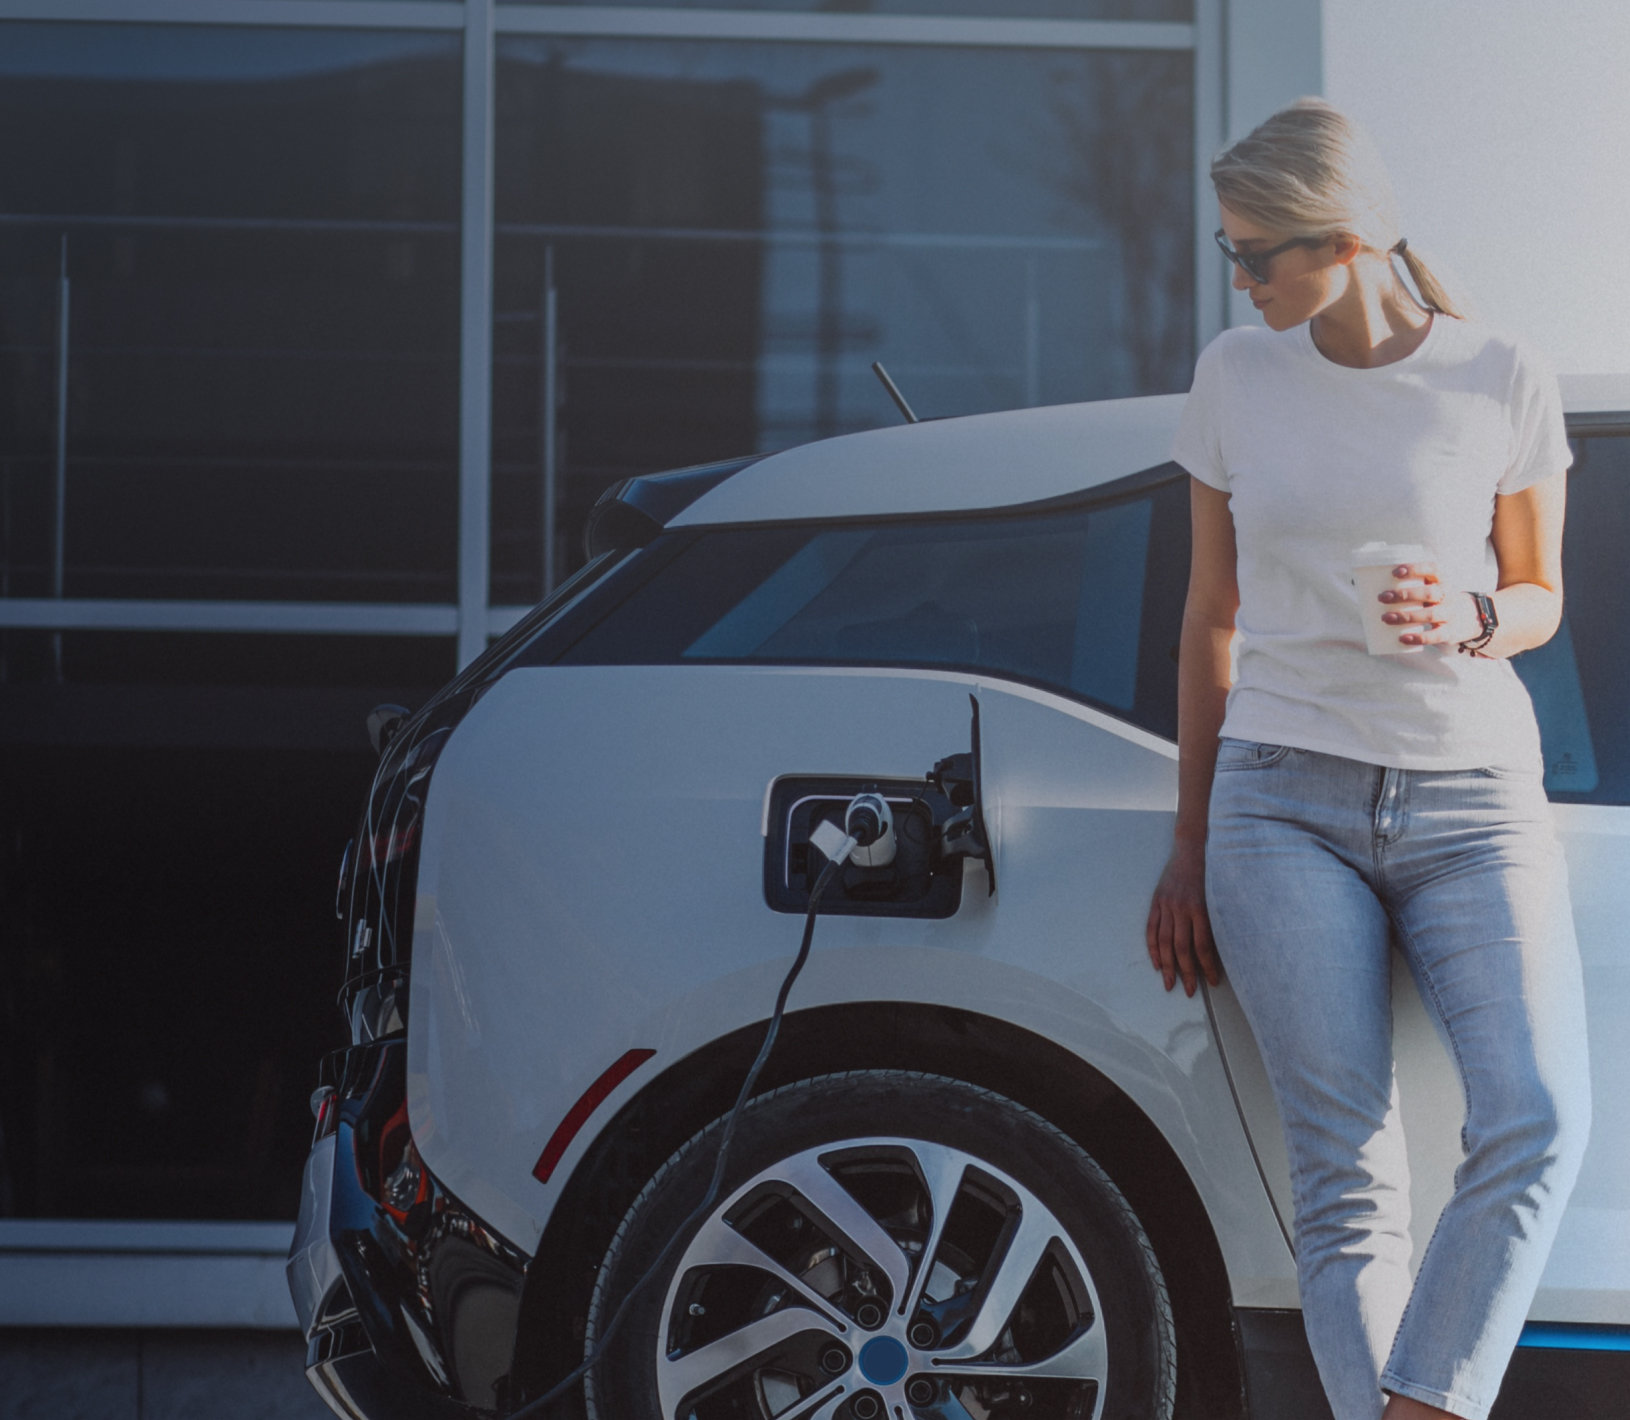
[(942, 1171), (1014, 1269), (837, 1210), (725, 1247), (1086, 1358), (678, 1377)]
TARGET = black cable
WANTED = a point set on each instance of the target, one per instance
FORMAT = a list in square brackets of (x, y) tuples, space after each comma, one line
[(533, 1407)]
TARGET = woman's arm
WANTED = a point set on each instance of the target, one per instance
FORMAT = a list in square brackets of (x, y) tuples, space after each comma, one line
[(1527, 539), (1179, 931)]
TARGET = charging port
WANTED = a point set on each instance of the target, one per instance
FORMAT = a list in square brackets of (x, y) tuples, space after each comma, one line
[(918, 881)]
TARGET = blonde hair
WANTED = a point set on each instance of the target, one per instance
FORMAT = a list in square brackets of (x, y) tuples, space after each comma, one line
[(1310, 171)]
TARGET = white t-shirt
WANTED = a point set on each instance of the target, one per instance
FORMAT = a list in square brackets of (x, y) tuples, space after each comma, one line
[(1318, 458)]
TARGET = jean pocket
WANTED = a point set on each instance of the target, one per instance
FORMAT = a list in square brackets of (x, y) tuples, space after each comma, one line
[(1247, 754)]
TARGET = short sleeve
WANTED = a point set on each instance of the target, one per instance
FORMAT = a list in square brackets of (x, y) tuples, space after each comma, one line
[(1539, 437), (1198, 445)]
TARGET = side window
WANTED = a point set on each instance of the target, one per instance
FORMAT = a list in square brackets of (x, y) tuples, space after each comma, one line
[(1580, 679), (1084, 599)]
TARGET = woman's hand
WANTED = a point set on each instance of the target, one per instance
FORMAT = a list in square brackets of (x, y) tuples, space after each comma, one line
[(1427, 613), (1179, 930)]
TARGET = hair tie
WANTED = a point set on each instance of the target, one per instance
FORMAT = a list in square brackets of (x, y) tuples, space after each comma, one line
[(1398, 250)]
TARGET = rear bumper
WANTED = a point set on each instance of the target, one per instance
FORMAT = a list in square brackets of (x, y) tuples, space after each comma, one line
[(314, 1266), (407, 1301)]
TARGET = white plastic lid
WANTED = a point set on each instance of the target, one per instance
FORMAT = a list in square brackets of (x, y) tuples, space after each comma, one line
[(1387, 554)]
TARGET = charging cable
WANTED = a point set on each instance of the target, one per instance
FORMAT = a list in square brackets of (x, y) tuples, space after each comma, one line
[(865, 827)]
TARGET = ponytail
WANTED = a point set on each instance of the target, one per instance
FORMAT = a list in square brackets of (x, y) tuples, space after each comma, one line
[(1429, 291)]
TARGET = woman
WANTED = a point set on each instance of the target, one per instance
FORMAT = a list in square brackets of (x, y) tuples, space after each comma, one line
[(1334, 804)]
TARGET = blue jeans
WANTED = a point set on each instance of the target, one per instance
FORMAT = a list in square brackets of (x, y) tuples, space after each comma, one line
[(1316, 867)]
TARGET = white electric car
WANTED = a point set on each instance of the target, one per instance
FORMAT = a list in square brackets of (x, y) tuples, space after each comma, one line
[(991, 1168)]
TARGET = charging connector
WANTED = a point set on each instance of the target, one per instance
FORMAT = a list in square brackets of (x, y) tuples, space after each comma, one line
[(870, 822)]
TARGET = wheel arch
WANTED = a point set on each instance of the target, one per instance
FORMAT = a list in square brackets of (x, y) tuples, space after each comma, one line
[(980, 1050)]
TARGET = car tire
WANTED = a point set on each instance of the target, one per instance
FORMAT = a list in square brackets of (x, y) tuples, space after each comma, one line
[(801, 1294)]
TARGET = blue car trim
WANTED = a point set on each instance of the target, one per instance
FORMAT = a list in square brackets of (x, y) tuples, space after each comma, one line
[(1561, 1336)]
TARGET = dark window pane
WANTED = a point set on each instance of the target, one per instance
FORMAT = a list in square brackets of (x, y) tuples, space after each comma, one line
[(159, 1044), (1580, 680), (172, 814), (737, 231), (1086, 601), (260, 236)]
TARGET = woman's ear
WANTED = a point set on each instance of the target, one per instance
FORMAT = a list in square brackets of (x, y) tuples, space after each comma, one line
[(1346, 246)]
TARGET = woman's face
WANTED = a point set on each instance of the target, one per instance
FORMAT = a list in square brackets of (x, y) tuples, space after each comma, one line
[(1301, 281)]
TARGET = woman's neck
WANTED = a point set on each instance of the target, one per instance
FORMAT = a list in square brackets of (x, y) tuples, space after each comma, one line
[(1371, 323)]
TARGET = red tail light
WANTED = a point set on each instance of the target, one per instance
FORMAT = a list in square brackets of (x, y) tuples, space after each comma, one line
[(325, 1104)]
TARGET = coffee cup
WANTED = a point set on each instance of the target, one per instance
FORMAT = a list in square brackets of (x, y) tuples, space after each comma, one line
[(1372, 566)]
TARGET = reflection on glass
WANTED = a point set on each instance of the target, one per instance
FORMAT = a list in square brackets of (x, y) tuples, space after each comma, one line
[(736, 231), (259, 230)]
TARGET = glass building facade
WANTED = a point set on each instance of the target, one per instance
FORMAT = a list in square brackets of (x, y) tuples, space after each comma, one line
[(322, 325)]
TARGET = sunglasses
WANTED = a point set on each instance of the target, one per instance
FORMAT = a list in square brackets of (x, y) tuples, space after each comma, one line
[(1255, 264)]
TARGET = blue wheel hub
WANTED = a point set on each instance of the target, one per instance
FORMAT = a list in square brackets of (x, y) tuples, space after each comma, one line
[(883, 1360)]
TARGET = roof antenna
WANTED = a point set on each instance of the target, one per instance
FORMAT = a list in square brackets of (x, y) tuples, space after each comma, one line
[(894, 392)]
